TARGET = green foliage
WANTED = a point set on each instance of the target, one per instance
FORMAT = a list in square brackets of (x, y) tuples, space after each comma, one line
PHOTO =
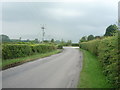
[(91, 75), (45, 41), (68, 43), (97, 37), (62, 42), (108, 56), (10, 51), (108, 53), (75, 44), (59, 46), (35, 41), (90, 37), (14, 62), (91, 46), (111, 30), (52, 40)]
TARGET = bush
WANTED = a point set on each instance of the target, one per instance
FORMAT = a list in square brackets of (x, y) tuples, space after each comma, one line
[(60, 46), (108, 56), (108, 53), (75, 44), (10, 51), (91, 46)]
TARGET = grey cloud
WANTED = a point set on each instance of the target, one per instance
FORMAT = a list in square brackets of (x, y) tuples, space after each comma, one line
[(63, 20)]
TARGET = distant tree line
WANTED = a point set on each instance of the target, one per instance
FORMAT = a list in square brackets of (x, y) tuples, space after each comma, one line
[(110, 31), (6, 39)]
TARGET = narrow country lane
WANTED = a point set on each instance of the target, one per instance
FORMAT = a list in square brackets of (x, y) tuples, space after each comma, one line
[(57, 71)]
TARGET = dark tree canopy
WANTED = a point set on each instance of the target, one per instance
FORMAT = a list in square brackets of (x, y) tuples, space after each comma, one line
[(52, 40), (111, 30), (46, 41), (90, 37)]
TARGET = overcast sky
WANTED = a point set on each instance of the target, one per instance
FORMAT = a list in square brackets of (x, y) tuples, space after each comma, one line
[(63, 20)]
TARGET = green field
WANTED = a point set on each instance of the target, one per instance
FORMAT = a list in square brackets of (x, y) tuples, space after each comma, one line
[(91, 75)]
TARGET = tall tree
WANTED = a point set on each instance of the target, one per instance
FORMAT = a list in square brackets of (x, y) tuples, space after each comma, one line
[(90, 37), (111, 30)]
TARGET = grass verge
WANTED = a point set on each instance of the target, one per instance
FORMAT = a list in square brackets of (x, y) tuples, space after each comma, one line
[(91, 75), (15, 62)]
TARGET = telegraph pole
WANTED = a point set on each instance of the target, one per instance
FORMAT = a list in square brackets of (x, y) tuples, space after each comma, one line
[(43, 33)]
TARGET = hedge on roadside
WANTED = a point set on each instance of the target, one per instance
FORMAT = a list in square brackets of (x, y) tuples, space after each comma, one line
[(91, 46), (59, 46), (10, 51), (108, 54), (75, 44)]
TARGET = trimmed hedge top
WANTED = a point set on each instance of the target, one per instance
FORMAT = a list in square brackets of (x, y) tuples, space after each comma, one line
[(10, 51)]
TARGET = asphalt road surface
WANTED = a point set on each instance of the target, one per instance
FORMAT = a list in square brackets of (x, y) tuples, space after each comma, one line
[(57, 71)]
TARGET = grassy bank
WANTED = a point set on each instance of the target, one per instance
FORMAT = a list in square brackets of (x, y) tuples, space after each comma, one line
[(108, 52), (14, 62), (91, 75)]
